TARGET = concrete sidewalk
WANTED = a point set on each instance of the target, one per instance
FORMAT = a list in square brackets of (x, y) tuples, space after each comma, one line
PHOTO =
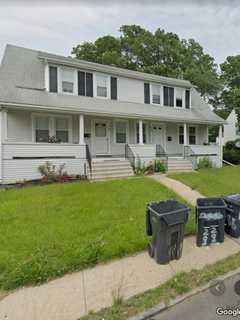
[(184, 191), (74, 295)]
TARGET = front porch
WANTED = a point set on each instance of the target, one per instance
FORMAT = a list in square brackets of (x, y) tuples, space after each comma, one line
[(29, 138)]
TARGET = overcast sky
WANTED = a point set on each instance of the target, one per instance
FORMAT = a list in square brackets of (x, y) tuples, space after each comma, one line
[(57, 27)]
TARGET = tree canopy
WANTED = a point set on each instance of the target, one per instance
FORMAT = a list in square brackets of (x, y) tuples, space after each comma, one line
[(161, 53)]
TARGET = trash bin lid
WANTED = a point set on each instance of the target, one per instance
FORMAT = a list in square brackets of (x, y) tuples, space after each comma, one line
[(171, 211), (210, 203), (233, 198)]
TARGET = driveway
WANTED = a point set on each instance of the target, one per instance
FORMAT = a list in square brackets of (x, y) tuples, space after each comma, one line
[(205, 304)]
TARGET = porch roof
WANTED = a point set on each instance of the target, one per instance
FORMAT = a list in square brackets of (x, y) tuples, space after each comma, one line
[(22, 86)]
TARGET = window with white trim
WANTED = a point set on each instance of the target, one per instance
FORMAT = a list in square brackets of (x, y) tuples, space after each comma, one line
[(42, 129), (121, 131), (156, 94), (192, 135), (51, 128), (67, 80), (62, 130), (102, 85)]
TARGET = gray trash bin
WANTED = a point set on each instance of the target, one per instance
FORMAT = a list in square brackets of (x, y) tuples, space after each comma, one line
[(210, 218), (232, 225), (165, 222)]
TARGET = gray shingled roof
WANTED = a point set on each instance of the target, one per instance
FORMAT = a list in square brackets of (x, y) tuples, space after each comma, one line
[(22, 85)]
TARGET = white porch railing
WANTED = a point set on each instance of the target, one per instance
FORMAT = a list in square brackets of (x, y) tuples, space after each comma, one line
[(196, 152), (21, 160)]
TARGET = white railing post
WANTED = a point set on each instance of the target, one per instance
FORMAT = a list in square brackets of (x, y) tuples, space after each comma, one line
[(1, 153), (81, 129), (220, 143), (185, 142), (140, 132)]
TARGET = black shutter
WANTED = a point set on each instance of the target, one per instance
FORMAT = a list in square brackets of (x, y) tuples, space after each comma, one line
[(89, 84), (81, 83), (187, 99), (113, 88), (165, 96), (146, 93), (53, 80), (171, 97)]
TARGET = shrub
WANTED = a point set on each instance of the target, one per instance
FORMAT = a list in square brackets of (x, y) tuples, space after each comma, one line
[(205, 162), (155, 166), (52, 173), (231, 152), (159, 166)]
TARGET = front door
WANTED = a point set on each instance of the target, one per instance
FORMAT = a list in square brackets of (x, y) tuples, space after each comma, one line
[(158, 134), (101, 137)]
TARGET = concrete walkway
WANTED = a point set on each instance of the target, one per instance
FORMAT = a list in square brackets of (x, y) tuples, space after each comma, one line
[(184, 191), (74, 295)]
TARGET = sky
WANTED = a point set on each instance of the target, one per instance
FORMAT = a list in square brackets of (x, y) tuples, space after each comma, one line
[(58, 26)]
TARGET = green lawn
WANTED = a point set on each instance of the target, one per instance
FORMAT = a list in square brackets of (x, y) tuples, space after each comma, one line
[(47, 231), (212, 182)]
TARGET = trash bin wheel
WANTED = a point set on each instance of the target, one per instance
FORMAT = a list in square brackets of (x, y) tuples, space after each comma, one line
[(150, 250)]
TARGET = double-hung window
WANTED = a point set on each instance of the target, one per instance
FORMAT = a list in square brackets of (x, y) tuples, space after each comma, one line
[(102, 85), (121, 132), (192, 135), (42, 129), (67, 77), (62, 129), (156, 94)]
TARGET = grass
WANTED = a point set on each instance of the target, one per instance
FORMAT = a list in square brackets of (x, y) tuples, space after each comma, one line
[(47, 231), (180, 284), (212, 182)]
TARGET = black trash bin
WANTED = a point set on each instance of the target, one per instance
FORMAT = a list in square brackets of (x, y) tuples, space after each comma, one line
[(232, 225), (210, 218), (165, 222)]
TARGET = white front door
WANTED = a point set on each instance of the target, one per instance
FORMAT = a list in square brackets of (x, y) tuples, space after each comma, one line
[(101, 137), (158, 134)]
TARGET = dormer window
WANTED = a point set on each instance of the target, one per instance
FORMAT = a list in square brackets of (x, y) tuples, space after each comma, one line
[(102, 84), (156, 93), (67, 77)]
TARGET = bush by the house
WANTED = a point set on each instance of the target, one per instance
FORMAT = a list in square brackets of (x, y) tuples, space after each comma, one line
[(204, 163), (53, 173), (231, 152), (152, 167)]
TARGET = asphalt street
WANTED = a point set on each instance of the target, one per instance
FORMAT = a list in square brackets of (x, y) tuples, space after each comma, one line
[(210, 304)]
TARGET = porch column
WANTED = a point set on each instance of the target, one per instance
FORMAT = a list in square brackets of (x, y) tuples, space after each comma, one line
[(1, 135), (185, 140), (140, 132), (220, 143), (81, 129), (207, 135)]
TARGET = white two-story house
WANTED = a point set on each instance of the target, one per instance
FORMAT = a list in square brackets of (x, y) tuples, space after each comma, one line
[(65, 110)]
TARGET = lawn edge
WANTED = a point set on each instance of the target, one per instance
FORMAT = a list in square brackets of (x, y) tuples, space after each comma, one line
[(179, 299)]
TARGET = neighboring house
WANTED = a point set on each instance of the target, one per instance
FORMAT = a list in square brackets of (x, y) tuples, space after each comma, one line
[(231, 128), (95, 112)]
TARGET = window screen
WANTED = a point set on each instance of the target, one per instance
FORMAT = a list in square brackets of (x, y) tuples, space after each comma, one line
[(62, 130), (121, 132), (156, 94), (42, 129)]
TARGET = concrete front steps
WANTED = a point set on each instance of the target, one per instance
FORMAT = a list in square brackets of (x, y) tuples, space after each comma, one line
[(179, 165), (111, 168)]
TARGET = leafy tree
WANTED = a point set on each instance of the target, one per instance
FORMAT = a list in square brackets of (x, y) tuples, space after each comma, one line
[(230, 75), (161, 53)]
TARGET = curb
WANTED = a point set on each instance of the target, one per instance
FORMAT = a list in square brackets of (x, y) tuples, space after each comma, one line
[(164, 306)]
